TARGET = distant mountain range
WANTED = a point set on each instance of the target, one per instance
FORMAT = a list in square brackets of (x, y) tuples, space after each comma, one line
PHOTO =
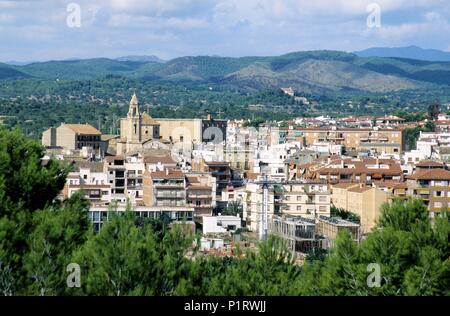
[(308, 72), (151, 58), (410, 52)]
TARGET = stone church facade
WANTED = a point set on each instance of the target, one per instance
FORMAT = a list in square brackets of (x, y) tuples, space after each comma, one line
[(137, 130)]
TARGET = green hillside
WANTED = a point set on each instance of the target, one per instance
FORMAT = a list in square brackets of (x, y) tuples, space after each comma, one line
[(307, 72), (9, 72)]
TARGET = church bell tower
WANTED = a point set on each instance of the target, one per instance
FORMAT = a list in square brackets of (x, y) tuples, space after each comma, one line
[(134, 120)]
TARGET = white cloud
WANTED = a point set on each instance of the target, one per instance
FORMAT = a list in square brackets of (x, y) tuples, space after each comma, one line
[(225, 27)]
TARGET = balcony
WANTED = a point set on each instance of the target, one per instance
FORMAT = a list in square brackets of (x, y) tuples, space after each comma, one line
[(160, 195), (199, 197)]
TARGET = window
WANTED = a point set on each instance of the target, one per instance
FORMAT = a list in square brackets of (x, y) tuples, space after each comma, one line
[(299, 198), (322, 198), (287, 198), (437, 204), (322, 208), (299, 208), (438, 193)]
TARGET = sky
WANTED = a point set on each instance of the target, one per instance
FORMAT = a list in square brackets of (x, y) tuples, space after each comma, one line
[(38, 30)]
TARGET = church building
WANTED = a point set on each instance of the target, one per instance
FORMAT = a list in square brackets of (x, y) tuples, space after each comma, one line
[(137, 130)]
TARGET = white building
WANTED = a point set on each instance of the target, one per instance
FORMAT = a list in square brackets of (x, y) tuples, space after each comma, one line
[(220, 224)]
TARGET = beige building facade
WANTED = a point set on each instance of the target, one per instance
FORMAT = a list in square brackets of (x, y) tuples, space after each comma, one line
[(73, 137), (190, 131), (136, 129), (365, 201), (388, 140)]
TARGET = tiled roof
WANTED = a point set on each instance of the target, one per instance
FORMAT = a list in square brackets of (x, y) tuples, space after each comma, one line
[(344, 185), (155, 159), (94, 166), (148, 120), (112, 158), (433, 174), (83, 129), (429, 163), (359, 190)]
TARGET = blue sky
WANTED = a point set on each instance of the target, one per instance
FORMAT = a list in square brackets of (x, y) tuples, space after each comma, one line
[(38, 30)]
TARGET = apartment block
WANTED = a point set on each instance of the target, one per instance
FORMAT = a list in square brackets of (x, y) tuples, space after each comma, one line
[(365, 201), (390, 141), (92, 181), (201, 194), (165, 188), (433, 186), (218, 169), (284, 198), (360, 170)]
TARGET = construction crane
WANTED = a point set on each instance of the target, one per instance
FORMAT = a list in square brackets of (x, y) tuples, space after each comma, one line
[(264, 218)]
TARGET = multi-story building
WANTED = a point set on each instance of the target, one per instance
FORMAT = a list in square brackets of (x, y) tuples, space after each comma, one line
[(92, 181), (159, 163), (74, 137), (114, 167), (377, 140), (240, 155), (271, 160), (365, 201), (302, 199), (165, 188), (359, 170), (201, 194), (390, 120), (218, 169), (433, 186), (284, 198)]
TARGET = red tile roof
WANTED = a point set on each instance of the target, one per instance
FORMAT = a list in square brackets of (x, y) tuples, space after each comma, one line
[(433, 174)]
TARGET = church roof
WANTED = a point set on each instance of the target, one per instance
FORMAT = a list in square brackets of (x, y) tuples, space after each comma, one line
[(148, 120)]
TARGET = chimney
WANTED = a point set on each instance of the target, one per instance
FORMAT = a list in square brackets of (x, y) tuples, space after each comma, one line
[(167, 171)]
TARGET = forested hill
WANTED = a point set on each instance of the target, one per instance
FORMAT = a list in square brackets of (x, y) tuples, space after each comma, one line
[(307, 72)]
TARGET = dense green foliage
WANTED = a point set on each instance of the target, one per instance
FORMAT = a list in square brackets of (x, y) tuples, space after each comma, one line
[(40, 95), (344, 214), (40, 235), (35, 105), (234, 208)]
